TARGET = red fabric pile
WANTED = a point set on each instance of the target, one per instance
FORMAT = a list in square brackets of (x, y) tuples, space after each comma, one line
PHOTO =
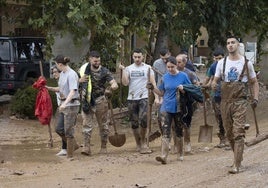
[(43, 104)]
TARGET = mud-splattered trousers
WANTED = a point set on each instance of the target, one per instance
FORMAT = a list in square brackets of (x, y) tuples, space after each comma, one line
[(166, 123), (216, 104), (137, 110), (60, 128), (70, 115), (233, 109), (101, 112)]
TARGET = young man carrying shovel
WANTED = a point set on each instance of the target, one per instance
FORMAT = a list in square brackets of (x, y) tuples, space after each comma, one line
[(136, 77), (233, 72)]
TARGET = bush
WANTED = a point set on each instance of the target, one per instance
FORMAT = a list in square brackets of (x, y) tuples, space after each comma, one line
[(23, 102)]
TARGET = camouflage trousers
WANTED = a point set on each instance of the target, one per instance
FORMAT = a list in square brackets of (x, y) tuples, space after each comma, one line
[(137, 110), (70, 116), (101, 111)]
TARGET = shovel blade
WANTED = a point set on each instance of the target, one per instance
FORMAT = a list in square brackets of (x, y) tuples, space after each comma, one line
[(117, 140), (205, 133)]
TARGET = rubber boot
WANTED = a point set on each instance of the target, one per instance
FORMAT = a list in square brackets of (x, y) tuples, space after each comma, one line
[(164, 151), (70, 147), (103, 149), (180, 148), (174, 149), (137, 139), (86, 149), (144, 148), (187, 140), (76, 146), (238, 156)]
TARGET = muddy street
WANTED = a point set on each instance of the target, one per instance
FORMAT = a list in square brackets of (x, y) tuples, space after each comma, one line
[(26, 161)]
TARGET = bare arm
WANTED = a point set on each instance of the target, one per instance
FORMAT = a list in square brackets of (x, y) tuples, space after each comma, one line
[(214, 82), (55, 89), (125, 76), (255, 88)]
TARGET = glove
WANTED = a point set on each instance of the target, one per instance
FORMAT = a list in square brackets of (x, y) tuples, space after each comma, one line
[(108, 93), (150, 86), (254, 103)]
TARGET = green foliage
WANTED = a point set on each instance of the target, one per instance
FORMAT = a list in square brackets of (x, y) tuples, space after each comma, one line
[(118, 100), (176, 21), (23, 102)]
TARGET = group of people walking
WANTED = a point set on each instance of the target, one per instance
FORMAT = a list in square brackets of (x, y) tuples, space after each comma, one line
[(175, 88)]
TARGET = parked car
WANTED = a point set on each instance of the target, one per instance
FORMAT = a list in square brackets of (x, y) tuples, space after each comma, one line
[(199, 62), (198, 65), (19, 62)]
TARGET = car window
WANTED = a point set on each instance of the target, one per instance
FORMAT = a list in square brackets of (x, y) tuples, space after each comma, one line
[(23, 51), (4, 51), (29, 50)]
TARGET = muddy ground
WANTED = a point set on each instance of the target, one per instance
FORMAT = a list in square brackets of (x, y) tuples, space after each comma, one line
[(26, 161)]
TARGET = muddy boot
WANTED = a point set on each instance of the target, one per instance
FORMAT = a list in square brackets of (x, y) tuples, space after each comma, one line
[(137, 139), (238, 155), (86, 149), (70, 147), (174, 149), (222, 140), (164, 151), (76, 146), (144, 147), (103, 149), (180, 148), (187, 140)]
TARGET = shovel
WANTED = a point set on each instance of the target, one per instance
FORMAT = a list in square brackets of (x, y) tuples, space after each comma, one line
[(259, 138), (205, 131), (116, 140)]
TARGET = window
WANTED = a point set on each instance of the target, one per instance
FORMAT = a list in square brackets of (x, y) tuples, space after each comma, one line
[(29, 50), (4, 51)]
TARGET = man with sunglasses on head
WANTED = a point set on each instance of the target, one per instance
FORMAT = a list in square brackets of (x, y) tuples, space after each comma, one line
[(237, 75), (136, 76)]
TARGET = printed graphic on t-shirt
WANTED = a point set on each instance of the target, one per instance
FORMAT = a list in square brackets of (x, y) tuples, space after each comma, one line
[(233, 74), (137, 74)]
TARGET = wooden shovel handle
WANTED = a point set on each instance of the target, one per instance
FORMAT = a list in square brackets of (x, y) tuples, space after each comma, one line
[(204, 106), (41, 68), (112, 115)]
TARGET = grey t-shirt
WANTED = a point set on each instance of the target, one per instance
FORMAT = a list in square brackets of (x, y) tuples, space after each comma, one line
[(160, 66), (67, 82)]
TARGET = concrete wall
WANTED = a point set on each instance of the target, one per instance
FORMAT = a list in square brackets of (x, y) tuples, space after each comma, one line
[(64, 45), (264, 65)]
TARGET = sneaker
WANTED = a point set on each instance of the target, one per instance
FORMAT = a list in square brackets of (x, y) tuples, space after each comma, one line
[(63, 152), (188, 147)]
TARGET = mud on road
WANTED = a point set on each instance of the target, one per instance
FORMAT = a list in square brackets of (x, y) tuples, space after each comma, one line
[(26, 161)]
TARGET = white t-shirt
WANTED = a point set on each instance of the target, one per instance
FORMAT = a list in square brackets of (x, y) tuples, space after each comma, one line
[(138, 80), (233, 69)]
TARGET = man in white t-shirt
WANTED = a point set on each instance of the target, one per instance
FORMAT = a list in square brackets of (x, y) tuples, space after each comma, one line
[(136, 77), (236, 75)]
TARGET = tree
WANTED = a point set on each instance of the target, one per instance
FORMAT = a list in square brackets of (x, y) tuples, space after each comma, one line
[(177, 21)]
